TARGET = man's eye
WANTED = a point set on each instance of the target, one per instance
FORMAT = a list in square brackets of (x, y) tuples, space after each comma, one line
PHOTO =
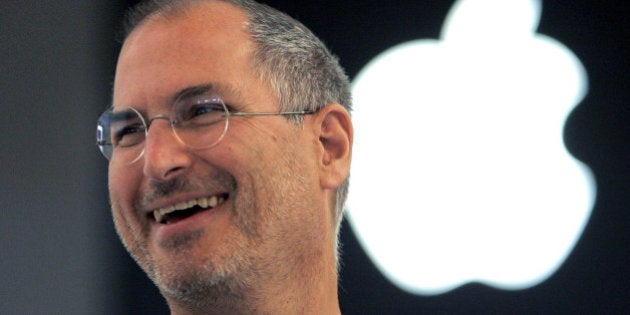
[(129, 135), (202, 109), (202, 113)]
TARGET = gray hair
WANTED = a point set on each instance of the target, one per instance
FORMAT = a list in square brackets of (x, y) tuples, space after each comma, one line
[(301, 70)]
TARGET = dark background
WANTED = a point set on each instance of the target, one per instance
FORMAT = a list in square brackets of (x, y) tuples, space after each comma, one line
[(59, 252)]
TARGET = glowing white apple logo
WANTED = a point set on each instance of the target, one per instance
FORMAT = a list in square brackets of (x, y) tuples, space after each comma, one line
[(459, 172)]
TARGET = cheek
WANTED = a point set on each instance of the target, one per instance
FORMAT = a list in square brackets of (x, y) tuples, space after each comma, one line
[(123, 185), (124, 181)]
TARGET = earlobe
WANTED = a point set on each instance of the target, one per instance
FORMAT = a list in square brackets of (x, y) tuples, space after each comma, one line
[(335, 138)]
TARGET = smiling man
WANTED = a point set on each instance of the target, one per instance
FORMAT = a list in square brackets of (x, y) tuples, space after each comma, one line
[(229, 144)]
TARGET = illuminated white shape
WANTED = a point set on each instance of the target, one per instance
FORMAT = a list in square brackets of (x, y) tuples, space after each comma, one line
[(461, 140)]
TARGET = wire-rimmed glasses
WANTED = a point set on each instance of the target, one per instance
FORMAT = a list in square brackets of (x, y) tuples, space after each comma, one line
[(198, 123)]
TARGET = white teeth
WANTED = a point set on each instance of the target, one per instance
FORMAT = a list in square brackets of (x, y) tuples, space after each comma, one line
[(158, 216), (191, 203), (203, 202), (211, 202)]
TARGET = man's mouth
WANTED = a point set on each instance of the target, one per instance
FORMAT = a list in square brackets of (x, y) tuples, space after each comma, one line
[(182, 210)]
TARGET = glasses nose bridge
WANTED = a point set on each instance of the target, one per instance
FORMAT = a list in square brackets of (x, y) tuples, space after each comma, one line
[(171, 123), (150, 121)]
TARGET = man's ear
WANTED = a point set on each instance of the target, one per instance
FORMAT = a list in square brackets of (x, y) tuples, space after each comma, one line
[(334, 126)]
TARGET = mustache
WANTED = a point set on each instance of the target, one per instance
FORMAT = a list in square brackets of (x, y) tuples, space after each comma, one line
[(157, 190), (168, 188)]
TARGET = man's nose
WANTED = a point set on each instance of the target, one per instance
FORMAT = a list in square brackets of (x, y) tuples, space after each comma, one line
[(165, 156)]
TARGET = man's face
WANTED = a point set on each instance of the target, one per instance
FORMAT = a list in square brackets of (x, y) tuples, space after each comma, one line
[(264, 168)]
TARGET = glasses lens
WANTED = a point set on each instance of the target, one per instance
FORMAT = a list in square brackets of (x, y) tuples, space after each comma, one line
[(121, 134), (201, 122)]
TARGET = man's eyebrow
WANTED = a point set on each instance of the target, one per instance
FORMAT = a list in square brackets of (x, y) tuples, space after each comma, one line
[(220, 90), (193, 91), (190, 92)]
